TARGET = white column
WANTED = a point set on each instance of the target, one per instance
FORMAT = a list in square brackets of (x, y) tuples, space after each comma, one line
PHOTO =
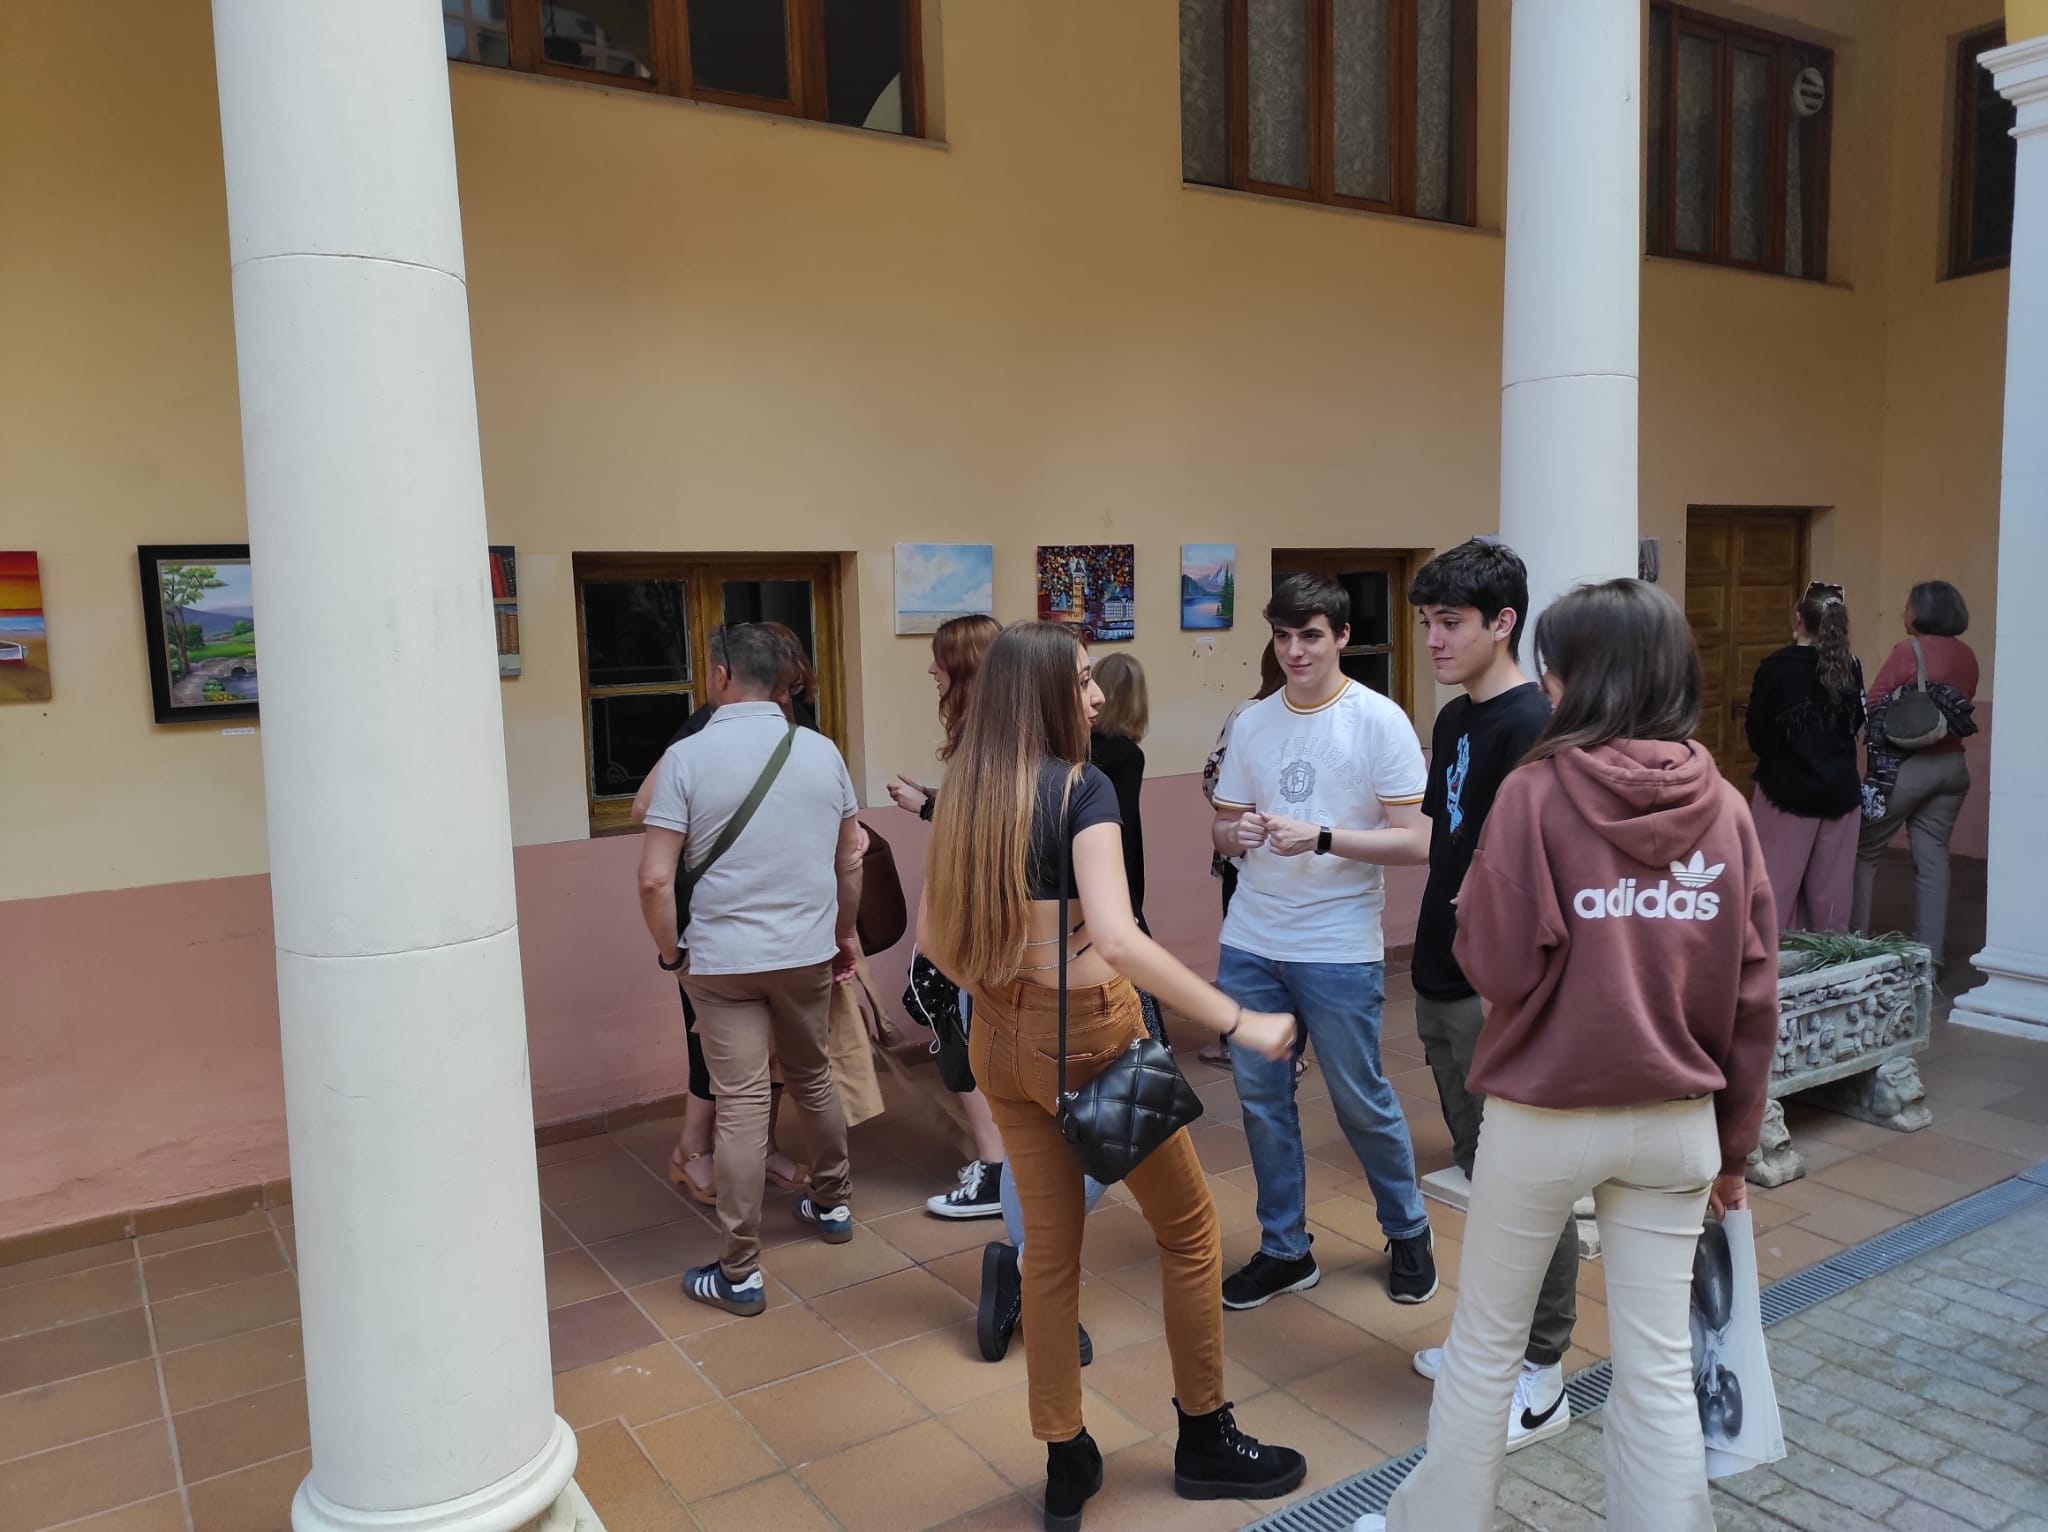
[(2015, 955), (1574, 275), (406, 1091)]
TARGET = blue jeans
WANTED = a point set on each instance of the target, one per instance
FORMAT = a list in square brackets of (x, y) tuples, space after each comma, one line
[(1338, 1006), (1013, 1210)]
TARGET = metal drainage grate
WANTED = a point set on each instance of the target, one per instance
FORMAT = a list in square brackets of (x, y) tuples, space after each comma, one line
[(1336, 1508)]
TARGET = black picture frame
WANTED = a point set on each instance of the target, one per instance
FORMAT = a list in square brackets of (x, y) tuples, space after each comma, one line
[(232, 692)]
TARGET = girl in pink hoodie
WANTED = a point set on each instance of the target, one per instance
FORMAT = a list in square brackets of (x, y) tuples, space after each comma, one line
[(1617, 922)]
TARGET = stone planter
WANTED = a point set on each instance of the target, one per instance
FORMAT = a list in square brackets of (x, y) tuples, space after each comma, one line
[(1847, 1033)]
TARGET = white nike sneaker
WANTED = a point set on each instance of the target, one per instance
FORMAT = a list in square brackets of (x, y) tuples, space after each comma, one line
[(1540, 1409)]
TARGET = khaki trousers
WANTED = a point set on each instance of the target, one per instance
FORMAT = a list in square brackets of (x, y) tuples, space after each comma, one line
[(737, 1016)]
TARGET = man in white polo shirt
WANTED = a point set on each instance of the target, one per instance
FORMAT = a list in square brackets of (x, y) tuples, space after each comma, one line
[(761, 813), (1322, 785)]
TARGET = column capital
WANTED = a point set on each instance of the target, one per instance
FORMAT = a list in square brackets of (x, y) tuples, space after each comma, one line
[(2020, 72)]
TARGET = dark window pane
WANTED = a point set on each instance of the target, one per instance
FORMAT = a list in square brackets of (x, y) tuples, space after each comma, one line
[(1373, 670), (1754, 108), (1371, 613), (1660, 85), (608, 36), (475, 31), (1277, 90), (740, 46), (1993, 157), (785, 601), (1365, 159), (1434, 128), (636, 632), (1205, 92), (627, 737), (1698, 88), (867, 63)]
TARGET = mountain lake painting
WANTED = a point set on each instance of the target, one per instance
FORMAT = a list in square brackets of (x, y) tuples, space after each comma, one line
[(1208, 585)]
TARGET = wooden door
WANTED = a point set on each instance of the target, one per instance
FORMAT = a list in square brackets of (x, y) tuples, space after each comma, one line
[(1377, 656), (1744, 572)]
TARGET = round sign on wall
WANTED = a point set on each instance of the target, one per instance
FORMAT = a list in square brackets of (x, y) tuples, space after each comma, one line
[(1809, 92)]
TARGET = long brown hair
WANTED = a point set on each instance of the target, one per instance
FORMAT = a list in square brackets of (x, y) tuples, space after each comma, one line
[(1629, 666), (799, 680), (958, 647), (1271, 676), (1126, 709), (977, 889), (1825, 616)]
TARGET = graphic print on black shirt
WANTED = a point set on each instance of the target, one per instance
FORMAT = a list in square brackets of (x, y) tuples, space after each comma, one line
[(1474, 747)]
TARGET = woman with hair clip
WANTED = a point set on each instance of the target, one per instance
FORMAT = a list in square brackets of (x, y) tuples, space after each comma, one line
[(1021, 801), (957, 650), (1617, 922), (1805, 710)]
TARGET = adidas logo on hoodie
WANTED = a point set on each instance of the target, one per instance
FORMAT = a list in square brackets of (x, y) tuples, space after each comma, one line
[(1691, 900)]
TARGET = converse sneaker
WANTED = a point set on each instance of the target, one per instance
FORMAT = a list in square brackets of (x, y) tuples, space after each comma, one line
[(1413, 1276), (1266, 1277), (834, 1225), (979, 1194), (709, 1284), (1540, 1409)]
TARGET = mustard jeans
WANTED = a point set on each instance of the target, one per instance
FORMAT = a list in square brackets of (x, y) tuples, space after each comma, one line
[(1013, 1043)]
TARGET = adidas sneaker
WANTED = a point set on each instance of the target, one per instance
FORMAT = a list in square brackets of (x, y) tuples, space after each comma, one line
[(834, 1225), (709, 1284)]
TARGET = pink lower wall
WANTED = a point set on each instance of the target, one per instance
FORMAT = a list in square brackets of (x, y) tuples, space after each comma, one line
[(139, 1053)]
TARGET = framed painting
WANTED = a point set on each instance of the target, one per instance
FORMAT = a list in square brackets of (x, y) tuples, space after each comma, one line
[(1092, 586), (505, 608), (936, 582), (1208, 585), (24, 641), (199, 613)]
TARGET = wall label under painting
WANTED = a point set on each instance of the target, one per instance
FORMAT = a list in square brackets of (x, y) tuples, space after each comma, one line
[(1092, 586), (199, 611)]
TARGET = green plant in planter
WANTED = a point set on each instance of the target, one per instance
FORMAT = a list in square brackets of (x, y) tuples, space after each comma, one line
[(1826, 949)]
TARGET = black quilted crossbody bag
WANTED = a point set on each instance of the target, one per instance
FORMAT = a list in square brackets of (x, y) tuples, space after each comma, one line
[(1135, 1104)]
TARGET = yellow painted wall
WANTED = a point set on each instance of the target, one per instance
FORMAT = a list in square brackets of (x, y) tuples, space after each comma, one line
[(705, 330), (2025, 18)]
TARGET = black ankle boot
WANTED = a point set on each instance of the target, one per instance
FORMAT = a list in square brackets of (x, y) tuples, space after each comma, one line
[(1215, 1461), (1073, 1472)]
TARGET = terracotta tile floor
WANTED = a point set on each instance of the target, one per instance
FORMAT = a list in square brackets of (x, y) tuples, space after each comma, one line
[(156, 1385)]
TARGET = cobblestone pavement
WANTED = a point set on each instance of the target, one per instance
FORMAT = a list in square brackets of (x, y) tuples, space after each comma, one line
[(1917, 1402)]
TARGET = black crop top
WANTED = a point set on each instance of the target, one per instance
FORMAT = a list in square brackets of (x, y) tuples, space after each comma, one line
[(1093, 803)]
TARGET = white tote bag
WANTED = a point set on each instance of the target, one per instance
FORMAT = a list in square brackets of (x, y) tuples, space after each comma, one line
[(1731, 1370)]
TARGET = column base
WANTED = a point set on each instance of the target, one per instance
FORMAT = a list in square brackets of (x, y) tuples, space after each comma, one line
[(541, 1493), (2013, 1001)]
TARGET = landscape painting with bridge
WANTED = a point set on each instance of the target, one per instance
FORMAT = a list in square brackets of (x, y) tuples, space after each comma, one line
[(200, 610)]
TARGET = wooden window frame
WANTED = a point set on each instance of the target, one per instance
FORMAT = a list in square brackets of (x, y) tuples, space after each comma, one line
[(1402, 28), (1729, 35), (705, 572), (1963, 187), (669, 32), (1331, 562)]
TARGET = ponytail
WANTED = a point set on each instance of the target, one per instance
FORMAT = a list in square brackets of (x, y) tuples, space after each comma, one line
[(1828, 622)]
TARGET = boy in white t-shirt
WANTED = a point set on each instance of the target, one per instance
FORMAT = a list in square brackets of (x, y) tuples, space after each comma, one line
[(1321, 787)]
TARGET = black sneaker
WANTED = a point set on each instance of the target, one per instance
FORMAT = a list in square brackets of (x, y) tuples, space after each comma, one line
[(1002, 1301), (979, 1194), (1087, 1346), (1266, 1277), (1413, 1277), (1213, 1460)]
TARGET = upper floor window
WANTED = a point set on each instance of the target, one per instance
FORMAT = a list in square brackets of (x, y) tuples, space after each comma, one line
[(854, 62), (1980, 202), (1361, 103), (1738, 145)]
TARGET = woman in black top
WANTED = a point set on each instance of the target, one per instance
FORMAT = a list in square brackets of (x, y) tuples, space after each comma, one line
[(990, 917), (1805, 709)]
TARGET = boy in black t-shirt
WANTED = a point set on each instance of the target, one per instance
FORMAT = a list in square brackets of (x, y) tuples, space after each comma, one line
[(1471, 601)]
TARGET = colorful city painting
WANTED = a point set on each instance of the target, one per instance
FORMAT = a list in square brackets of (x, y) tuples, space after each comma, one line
[(1208, 585), (936, 582), (505, 609), (1091, 585), (200, 612), (24, 642)]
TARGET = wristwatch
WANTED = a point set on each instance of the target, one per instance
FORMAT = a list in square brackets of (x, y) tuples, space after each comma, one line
[(1323, 843), (682, 957)]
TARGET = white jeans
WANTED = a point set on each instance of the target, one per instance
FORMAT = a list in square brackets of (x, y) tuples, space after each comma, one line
[(1648, 1168)]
